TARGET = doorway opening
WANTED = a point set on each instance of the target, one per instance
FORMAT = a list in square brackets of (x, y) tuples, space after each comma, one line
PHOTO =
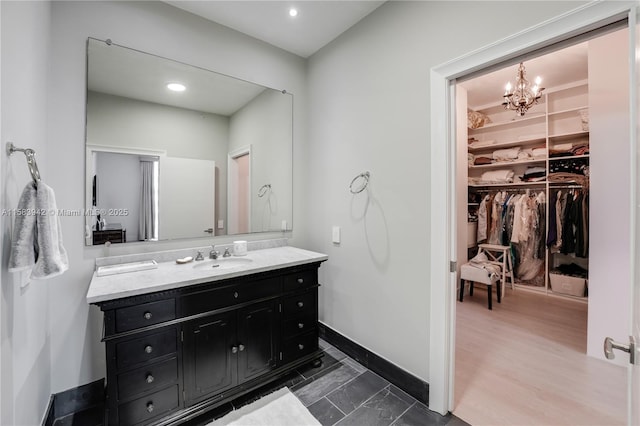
[(537, 185), (239, 194), (443, 180)]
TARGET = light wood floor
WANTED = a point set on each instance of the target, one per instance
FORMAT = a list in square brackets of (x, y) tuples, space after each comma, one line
[(525, 363)]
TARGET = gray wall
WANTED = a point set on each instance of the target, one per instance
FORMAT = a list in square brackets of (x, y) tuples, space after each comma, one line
[(369, 109), (25, 318)]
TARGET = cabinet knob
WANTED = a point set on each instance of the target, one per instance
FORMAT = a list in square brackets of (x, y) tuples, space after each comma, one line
[(235, 295), (300, 325), (150, 378), (147, 315), (300, 346), (148, 349), (300, 280), (234, 349), (150, 407), (241, 347), (300, 304)]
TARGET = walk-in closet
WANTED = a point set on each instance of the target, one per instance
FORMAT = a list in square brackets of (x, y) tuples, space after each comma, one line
[(542, 178)]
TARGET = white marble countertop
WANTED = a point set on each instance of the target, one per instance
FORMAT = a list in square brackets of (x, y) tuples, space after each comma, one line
[(170, 275)]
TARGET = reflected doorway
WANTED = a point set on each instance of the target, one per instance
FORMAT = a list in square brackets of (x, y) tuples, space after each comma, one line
[(239, 198)]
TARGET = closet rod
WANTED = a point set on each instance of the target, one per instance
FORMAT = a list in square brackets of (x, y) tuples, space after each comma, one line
[(566, 187), (523, 190)]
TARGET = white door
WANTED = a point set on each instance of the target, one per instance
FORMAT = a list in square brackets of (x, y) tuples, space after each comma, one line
[(613, 349), (634, 373), (186, 197)]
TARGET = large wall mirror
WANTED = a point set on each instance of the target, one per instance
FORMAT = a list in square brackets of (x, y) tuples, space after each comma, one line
[(211, 157)]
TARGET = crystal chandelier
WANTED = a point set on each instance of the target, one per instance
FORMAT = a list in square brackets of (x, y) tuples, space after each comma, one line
[(522, 95)]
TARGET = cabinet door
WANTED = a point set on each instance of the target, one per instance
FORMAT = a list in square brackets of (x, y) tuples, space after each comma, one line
[(210, 356), (257, 337)]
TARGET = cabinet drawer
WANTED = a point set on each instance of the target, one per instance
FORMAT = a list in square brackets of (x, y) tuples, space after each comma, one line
[(300, 280), (229, 295), (146, 348), (299, 346), (299, 325), (300, 304), (147, 378), (145, 314), (148, 407)]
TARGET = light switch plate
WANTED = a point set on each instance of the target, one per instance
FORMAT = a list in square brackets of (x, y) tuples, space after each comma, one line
[(284, 225), (335, 235), (220, 224)]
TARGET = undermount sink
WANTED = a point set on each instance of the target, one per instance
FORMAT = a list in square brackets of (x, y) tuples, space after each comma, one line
[(223, 263)]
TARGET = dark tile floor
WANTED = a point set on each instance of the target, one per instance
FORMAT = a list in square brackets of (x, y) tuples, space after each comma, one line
[(342, 392)]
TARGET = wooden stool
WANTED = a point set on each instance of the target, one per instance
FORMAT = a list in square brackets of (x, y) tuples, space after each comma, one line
[(500, 255)]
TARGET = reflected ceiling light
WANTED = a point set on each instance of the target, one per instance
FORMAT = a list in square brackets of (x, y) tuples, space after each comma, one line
[(522, 96), (176, 87), (293, 12)]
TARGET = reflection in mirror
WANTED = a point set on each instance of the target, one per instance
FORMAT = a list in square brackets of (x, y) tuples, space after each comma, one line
[(163, 164)]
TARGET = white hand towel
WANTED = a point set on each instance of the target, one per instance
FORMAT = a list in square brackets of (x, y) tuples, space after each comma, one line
[(37, 235), (23, 244), (52, 257)]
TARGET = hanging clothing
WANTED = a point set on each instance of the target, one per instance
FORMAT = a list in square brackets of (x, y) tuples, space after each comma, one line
[(570, 228), (482, 220)]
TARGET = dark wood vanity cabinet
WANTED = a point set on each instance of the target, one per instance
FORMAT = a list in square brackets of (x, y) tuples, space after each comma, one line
[(173, 355)]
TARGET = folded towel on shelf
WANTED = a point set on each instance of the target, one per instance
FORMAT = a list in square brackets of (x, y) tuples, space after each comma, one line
[(506, 154), (539, 152), (37, 243), (498, 176), (563, 147), (479, 161)]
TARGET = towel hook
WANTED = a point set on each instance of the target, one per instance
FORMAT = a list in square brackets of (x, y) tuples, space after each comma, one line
[(263, 190), (361, 187), (31, 160)]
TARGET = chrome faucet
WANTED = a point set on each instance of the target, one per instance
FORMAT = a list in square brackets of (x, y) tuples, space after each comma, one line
[(226, 253), (213, 254)]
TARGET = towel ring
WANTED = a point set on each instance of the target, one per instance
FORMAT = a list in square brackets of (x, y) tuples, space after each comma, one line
[(31, 160), (363, 180), (263, 190)]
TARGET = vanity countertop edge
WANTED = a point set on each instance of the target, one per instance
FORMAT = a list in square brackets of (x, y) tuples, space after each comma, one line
[(169, 275)]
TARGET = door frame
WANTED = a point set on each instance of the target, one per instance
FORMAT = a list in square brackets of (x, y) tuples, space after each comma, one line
[(579, 21)]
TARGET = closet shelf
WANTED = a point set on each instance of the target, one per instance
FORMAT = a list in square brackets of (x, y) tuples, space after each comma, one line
[(568, 110), (500, 164), (568, 158), (567, 136), (513, 122), (510, 144)]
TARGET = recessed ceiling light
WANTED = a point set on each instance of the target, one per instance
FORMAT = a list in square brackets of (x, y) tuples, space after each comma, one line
[(176, 87), (293, 12)]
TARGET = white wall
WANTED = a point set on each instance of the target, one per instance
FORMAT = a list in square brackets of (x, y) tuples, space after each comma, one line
[(260, 125), (75, 328), (25, 317), (369, 109), (609, 236), (119, 183)]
